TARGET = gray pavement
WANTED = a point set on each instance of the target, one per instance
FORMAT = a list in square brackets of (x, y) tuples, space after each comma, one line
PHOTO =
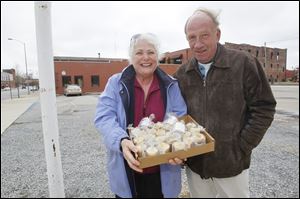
[(274, 170), (11, 109)]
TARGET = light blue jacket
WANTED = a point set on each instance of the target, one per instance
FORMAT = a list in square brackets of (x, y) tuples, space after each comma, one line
[(111, 122)]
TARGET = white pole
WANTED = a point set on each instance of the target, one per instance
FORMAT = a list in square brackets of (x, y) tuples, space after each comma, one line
[(48, 99)]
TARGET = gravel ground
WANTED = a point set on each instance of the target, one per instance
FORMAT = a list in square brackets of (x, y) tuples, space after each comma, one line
[(274, 170)]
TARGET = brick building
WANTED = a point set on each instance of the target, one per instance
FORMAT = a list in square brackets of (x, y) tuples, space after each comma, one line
[(91, 74), (292, 75), (275, 66), (8, 78)]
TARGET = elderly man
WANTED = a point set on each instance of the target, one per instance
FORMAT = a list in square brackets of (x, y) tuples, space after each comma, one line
[(227, 92)]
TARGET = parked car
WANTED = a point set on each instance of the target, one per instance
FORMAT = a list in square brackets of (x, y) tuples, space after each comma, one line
[(33, 88), (6, 88), (72, 89)]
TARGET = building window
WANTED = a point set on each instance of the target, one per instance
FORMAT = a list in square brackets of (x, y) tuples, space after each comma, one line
[(271, 55), (177, 60), (271, 65), (162, 61), (66, 80), (277, 56), (271, 79), (256, 53), (95, 80), (79, 81)]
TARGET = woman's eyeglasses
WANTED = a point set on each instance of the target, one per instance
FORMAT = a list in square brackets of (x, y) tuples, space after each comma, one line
[(134, 37)]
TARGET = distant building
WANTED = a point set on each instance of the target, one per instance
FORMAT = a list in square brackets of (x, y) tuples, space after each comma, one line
[(8, 78), (91, 74), (274, 64), (292, 75)]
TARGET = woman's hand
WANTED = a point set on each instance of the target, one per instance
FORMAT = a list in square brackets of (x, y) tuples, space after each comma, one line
[(127, 148)]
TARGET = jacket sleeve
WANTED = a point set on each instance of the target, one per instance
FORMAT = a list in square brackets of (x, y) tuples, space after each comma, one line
[(106, 117), (260, 105)]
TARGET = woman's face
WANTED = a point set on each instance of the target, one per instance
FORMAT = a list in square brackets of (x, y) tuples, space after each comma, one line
[(144, 59)]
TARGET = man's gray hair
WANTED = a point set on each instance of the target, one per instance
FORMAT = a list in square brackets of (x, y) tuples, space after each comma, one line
[(149, 37), (211, 13)]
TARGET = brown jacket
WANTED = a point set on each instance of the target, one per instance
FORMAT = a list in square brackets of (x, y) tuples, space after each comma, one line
[(234, 103)]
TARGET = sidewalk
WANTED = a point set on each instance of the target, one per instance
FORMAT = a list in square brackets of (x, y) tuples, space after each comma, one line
[(11, 109), (285, 84)]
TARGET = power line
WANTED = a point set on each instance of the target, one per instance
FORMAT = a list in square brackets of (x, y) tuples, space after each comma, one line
[(283, 40)]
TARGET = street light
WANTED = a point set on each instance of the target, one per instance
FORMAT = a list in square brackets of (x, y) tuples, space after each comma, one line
[(25, 60)]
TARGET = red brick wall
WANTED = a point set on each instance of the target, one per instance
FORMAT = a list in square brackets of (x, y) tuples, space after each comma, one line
[(276, 59), (169, 68), (86, 69)]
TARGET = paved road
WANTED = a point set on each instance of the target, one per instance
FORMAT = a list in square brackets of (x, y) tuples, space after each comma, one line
[(287, 98), (13, 94), (274, 170)]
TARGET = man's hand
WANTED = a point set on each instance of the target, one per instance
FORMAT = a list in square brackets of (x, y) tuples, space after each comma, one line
[(127, 148), (176, 161)]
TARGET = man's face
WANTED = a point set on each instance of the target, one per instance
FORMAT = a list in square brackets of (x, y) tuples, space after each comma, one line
[(203, 37)]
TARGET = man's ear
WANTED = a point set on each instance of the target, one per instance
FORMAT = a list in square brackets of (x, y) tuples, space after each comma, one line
[(218, 34)]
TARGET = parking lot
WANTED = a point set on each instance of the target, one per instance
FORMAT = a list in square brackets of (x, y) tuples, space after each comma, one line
[(274, 170)]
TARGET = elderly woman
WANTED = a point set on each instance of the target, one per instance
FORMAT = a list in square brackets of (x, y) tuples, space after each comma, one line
[(140, 90)]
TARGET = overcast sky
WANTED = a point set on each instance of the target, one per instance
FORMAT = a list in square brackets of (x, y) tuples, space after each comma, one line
[(85, 29)]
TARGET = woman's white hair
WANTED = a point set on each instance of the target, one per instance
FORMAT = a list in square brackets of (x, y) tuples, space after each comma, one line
[(148, 37)]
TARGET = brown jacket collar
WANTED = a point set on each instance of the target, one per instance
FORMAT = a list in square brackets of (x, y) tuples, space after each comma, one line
[(218, 61)]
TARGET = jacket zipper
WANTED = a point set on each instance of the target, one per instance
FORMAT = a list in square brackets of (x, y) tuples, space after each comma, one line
[(205, 95), (205, 100), (127, 92)]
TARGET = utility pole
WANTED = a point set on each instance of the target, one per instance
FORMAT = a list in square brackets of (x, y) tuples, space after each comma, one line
[(271, 77), (48, 98), (26, 70), (25, 60), (265, 54), (10, 87)]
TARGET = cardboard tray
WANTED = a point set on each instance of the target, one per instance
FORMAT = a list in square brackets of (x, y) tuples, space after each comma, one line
[(182, 154)]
